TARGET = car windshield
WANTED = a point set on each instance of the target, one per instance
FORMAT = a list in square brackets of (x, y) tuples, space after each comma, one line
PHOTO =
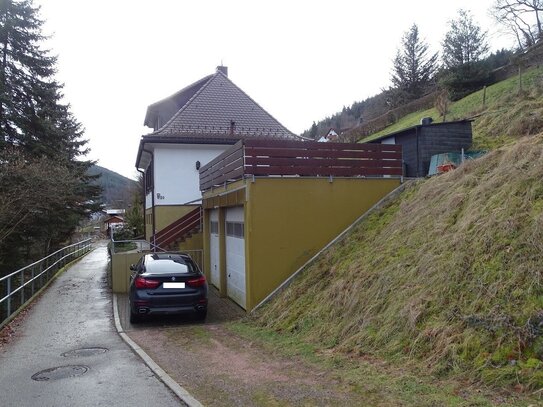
[(173, 265)]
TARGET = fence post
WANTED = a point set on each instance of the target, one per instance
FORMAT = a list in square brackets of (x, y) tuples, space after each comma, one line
[(9, 296), (32, 277), (22, 285)]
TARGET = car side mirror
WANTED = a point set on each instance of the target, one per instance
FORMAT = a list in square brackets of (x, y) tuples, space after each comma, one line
[(132, 267)]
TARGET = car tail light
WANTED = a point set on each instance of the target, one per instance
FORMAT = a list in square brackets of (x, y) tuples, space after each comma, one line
[(197, 282), (141, 282)]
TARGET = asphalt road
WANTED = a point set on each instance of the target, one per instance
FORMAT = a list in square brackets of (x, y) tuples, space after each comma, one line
[(69, 344)]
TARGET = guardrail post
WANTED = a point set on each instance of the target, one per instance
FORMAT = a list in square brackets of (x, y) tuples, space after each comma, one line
[(22, 285), (9, 297), (32, 277)]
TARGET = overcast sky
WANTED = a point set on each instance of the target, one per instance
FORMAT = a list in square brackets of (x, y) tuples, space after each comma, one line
[(300, 60)]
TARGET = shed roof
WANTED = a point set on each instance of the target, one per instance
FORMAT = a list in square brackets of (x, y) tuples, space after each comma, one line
[(408, 129)]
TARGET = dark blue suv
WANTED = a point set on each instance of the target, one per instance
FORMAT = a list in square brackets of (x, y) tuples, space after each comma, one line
[(167, 283)]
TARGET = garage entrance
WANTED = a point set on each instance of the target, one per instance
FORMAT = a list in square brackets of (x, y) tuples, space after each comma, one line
[(214, 255), (235, 255)]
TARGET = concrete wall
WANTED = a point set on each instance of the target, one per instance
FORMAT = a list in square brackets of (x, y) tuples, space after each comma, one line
[(120, 270), (194, 247), (148, 223), (288, 220)]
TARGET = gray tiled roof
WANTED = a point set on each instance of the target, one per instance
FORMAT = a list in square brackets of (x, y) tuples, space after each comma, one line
[(165, 109), (220, 107)]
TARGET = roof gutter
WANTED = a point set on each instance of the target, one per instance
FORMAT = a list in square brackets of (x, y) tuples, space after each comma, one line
[(153, 211), (144, 201)]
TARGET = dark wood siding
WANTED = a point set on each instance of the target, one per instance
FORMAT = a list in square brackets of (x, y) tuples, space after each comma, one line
[(432, 139), (437, 139)]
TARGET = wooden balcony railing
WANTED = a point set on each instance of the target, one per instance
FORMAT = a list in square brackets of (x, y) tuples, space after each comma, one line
[(305, 159)]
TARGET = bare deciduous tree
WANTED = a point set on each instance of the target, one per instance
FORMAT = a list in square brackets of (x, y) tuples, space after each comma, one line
[(30, 187), (521, 18)]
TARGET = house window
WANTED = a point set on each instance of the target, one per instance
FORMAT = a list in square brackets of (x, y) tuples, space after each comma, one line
[(214, 227), (149, 178), (235, 229)]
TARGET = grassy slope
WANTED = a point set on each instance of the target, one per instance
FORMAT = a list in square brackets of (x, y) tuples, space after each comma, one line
[(505, 116), (447, 278)]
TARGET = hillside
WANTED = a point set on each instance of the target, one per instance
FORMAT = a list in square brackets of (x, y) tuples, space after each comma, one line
[(446, 278), (508, 111), (116, 189)]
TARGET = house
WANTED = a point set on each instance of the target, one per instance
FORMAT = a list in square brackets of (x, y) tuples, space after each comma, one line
[(113, 222), (421, 142), (269, 206), (190, 128), (330, 136)]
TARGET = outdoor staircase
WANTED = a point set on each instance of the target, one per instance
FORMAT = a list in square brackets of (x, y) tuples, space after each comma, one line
[(179, 230)]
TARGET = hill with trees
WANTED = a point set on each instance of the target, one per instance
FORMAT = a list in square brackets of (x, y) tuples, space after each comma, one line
[(117, 190), (423, 78)]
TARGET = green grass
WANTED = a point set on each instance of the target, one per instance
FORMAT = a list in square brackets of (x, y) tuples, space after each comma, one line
[(447, 278), (506, 115), (373, 381)]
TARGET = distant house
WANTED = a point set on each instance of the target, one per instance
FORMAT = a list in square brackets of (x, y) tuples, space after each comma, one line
[(332, 135), (190, 128), (419, 143), (113, 222)]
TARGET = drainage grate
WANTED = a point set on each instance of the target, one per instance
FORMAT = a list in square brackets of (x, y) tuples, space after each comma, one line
[(84, 352), (60, 372)]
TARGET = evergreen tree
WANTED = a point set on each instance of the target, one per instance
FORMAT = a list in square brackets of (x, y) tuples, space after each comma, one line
[(37, 128), (463, 48), (464, 43), (413, 67)]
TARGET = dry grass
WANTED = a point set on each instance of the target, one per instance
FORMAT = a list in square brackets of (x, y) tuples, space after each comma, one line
[(447, 278)]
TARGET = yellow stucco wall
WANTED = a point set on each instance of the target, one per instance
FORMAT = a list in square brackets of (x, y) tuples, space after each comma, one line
[(148, 224), (120, 270), (166, 214), (194, 247), (289, 220)]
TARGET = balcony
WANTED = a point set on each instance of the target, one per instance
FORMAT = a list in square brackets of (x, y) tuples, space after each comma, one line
[(280, 158)]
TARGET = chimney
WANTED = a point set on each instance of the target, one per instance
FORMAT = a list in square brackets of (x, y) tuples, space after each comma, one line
[(223, 69)]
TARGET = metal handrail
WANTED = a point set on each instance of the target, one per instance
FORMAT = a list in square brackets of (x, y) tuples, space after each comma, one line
[(30, 282)]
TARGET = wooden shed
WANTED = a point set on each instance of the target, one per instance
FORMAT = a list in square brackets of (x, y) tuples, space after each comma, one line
[(419, 143)]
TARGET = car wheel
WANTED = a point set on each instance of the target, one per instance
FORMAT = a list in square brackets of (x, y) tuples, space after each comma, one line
[(201, 315), (134, 318)]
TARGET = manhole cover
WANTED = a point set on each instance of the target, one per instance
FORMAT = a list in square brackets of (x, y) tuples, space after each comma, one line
[(84, 352), (60, 372)]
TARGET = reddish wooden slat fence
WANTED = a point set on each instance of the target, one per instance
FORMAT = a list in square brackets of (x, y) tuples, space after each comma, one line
[(290, 158)]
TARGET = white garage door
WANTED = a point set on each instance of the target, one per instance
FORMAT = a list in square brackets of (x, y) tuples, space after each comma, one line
[(235, 255), (214, 247)]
